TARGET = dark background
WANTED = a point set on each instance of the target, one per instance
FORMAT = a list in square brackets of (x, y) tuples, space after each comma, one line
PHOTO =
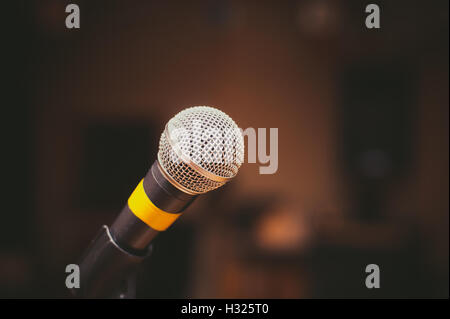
[(363, 143)]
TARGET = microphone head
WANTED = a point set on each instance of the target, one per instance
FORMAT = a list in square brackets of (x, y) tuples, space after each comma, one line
[(200, 149)]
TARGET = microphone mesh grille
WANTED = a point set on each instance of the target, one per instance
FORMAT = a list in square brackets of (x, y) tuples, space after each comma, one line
[(210, 140)]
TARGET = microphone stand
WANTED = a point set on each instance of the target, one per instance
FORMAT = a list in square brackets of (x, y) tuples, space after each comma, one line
[(109, 266), (128, 291), (108, 271)]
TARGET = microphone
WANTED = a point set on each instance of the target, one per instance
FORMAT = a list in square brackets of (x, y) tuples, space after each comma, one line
[(200, 149)]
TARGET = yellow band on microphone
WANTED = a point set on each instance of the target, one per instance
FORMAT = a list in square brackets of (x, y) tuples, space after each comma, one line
[(145, 210)]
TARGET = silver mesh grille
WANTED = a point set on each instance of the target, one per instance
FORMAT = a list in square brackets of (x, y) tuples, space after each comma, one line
[(201, 148)]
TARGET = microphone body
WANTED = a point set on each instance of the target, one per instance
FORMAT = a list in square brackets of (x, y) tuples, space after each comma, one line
[(200, 149), (153, 206)]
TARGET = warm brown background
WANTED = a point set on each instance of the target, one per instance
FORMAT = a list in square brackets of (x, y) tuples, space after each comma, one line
[(134, 64)]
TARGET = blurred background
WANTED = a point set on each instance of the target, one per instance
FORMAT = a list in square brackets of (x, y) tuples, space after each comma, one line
[(363, 143)]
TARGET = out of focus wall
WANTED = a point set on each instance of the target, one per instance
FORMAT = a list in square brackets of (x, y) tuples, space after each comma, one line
[(264, 63)]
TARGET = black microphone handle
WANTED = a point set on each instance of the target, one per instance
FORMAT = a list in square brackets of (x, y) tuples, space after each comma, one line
[(116, 252), (132, 233)]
